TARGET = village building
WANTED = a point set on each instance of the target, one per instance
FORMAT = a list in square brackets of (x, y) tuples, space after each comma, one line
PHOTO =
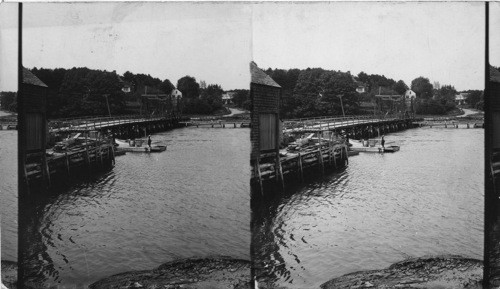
[(461, 98), (227, 97), (361, 87)]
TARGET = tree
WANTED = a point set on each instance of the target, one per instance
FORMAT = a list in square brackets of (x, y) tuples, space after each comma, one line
[(422, 87), (447, 93), (212, 95), (400, 87), (474, 97), (189, 87), (167, 87), (8, 100), (241, 98)]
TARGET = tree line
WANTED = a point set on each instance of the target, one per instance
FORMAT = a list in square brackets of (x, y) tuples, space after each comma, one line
[(82, 91), (316, 92)]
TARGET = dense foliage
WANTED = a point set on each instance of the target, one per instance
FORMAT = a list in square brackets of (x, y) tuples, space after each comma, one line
[(84, 91), (8, 100), (241, 99), (316, 91)]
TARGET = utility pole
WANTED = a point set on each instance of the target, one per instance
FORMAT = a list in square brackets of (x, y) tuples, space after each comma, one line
[(107, 104), (342, 105)]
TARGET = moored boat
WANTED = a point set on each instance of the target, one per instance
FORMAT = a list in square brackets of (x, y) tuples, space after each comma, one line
[(358, 146), (137, 146)]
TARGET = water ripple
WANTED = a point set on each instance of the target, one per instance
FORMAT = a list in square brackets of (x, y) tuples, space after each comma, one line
[(425, 199)]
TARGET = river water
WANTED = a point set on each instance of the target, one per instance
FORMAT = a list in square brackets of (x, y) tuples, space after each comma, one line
[(191, 200), (426, 199), (8, 193)]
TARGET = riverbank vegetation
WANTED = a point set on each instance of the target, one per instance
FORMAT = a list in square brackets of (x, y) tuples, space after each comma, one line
[(8, 101), (82, 92), (316, 92)]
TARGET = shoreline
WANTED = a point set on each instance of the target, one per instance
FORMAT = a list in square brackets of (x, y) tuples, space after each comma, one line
[(194, 273), (9, 274), (443, 272)]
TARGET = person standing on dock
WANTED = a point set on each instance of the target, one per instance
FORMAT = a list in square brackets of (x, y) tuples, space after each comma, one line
[(382, 142), (149, 141)]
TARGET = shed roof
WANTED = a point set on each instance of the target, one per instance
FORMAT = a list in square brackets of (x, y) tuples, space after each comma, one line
[(259, 77), (30, 78)]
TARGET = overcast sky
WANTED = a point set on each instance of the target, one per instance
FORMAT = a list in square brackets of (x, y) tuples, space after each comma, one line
[(441, 41), (211, 42), (214, 42)]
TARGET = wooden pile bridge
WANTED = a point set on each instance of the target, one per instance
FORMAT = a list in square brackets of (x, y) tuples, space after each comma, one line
[(8, 122), (452, 122), (355, 127), (217, 122), (118, 125)]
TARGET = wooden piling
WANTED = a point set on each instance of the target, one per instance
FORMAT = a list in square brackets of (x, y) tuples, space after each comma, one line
[(300, 168), (67, 162)]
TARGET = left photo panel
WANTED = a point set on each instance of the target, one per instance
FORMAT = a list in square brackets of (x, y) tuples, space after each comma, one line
[(8, 143), (134, 122)]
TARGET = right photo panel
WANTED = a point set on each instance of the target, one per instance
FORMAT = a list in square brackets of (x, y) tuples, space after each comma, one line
[(368, 145)]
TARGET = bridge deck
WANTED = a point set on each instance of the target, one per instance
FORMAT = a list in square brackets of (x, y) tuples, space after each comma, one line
[(330, 123), (98, 123)]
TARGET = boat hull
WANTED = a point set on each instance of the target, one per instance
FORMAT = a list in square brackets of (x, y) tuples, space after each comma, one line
[(389, 149), (124, 146)]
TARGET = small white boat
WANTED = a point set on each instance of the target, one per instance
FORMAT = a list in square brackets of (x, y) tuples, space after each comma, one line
[(137, 146), (358, 146)]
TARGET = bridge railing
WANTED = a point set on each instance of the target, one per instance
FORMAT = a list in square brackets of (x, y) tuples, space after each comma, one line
[(329, 120), (95, 122)]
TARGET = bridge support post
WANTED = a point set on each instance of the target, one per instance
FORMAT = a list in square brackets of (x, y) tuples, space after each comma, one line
[(299, 163)]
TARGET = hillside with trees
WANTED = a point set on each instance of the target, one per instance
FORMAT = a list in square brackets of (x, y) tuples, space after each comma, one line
[(8, 101), (83, 91), (317, 92)]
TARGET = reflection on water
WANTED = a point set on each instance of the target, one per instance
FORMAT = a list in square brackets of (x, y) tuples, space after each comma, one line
[(425, 199), (8, 193), (191, 200)]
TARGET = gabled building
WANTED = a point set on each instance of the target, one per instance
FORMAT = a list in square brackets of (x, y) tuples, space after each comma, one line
[(461, 98), (227, 97), (361, 87), (126, 86), (410, 94)]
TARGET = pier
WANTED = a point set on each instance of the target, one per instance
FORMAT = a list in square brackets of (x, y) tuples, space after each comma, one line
[(452, 122), (217, 122)]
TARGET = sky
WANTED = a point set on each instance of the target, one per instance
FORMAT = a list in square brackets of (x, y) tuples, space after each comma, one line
[(214, 42), (441, 41), (211, 42)]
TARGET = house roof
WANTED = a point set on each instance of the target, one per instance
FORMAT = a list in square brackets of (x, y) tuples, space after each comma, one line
[(259, 77), (30, 78)]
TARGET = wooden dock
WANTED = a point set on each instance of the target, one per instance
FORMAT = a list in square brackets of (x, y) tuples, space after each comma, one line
[(452, 122), (324, 155), (91, 154)]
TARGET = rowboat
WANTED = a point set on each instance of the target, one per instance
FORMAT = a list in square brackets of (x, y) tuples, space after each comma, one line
[(137, 146), (357, 146)]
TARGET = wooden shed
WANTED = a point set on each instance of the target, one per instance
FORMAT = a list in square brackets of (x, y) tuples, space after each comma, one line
[(265, 95), (34, 93)]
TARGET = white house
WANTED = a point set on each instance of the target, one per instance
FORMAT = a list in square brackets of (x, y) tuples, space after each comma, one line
[(227, 97), (361, 87), (410, 94), (175, 96), (461, 98)]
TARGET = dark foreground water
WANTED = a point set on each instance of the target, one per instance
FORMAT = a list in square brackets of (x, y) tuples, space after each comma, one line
[(426, 199), (8, 193), (191, 200)]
